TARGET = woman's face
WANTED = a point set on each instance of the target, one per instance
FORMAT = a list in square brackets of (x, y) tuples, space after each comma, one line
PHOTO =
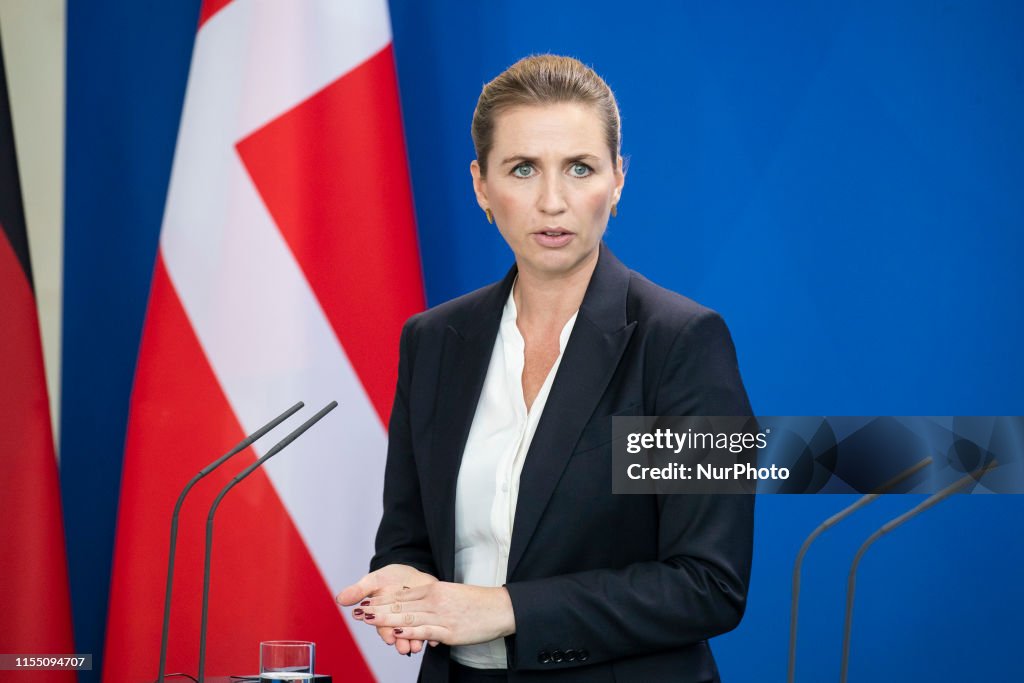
[(551, 183)]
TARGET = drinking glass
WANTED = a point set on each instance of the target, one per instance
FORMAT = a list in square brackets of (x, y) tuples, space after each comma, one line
[(286, 660)]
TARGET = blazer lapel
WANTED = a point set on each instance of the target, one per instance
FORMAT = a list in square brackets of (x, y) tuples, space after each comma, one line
[(468, 345), (591, 356)]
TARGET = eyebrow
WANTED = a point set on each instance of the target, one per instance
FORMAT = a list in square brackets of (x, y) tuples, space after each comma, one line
[(520, 158)]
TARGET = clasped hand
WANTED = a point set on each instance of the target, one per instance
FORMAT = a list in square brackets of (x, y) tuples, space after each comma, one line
[(409, 608)]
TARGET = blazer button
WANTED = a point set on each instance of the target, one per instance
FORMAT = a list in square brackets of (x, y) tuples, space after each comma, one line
[(582, 654), (544, 657), (557, 656), (571, 655)]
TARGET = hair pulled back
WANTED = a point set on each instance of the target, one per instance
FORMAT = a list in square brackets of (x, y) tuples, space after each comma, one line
[(540, 80)]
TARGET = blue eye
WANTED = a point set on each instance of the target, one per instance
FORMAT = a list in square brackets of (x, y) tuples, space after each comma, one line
[(523, 171), (579, 170)]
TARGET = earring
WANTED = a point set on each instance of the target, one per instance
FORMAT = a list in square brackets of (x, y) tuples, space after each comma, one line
[(490, 216), (615, 210)]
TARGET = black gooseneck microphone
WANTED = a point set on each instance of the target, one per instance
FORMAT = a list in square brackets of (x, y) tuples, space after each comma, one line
[(818, 531), (239, 447), (928, 502), (278, 447)]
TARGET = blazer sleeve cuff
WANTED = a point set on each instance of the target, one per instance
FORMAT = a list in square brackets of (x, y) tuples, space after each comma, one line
[(533, 648)]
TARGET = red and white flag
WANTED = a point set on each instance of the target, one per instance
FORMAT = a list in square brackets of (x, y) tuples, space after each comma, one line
[(287, 265), (35, 603)]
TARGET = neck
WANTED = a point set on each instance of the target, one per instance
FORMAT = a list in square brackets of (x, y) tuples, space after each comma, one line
[(549, 301)]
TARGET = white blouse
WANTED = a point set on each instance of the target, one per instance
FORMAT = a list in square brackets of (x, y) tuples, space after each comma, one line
[(488, 484)]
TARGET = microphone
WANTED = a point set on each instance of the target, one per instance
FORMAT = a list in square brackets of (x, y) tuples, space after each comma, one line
[(241, 446), (928, 502), (278, 447), (822, 528)]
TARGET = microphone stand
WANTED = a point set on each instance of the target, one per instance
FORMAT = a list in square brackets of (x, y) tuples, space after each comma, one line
[(240, 446), (818, 531), (278, 447), (882, 531)]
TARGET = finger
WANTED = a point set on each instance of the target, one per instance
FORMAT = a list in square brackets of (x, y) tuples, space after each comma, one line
[(386, 595), (434, 643), (414, 648), (359, 613), (350, 595), (397, 613), (412, 617), (419, 633), (403, 646), (387, 635)]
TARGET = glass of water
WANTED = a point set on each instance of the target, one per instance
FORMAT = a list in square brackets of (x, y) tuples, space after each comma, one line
[(286, 660)]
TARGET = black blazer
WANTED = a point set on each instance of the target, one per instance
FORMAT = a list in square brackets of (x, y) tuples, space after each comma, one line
[(604, 587)]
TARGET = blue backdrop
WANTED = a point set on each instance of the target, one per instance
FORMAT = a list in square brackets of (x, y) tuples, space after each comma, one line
[(843, 183)]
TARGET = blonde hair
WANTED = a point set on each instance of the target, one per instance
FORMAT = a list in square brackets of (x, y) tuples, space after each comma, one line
[(539, 80)]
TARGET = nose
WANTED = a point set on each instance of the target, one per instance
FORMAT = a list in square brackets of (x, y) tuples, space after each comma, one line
[(551, 199)]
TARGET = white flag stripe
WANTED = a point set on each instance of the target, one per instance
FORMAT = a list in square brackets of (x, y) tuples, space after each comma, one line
[(259, 323), (262, 57)]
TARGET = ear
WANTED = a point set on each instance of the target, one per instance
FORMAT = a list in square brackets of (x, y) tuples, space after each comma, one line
[(620, 180), (479, 185)]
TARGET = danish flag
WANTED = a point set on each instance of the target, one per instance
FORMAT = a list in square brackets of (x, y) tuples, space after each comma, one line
[(287, 265)]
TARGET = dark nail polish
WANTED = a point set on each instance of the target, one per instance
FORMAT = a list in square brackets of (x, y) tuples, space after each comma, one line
[(357, 612), (365, 603), (398, 630), (370, 617)]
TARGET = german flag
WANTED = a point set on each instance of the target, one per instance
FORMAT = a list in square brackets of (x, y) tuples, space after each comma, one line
[(34, 591)]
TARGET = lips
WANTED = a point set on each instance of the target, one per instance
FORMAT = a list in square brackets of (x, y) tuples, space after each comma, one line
[(553, 237)]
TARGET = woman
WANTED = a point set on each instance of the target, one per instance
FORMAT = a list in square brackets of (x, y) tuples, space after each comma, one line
[(501, 544)]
